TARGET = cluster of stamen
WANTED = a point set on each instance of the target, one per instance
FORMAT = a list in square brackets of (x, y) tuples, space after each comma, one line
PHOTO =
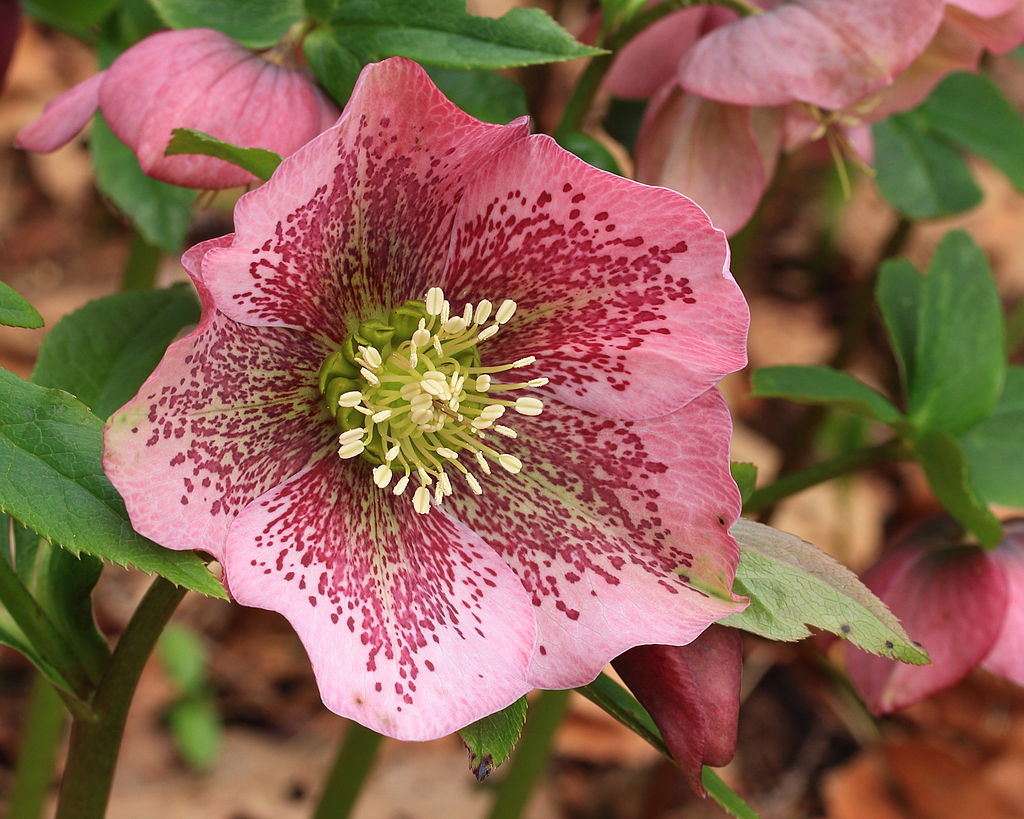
[(411, 396)]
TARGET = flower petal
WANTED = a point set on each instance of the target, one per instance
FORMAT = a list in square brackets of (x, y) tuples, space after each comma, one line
[(414, 626), (985, 8), (721, 155), (618, 529), (62, 118), (229, 412), (624, 291), (830, 53), (358, 220), (1007, 655), (951, 599), (997, 34)]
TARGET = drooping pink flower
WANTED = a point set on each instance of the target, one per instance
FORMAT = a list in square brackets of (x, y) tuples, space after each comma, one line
[(192, 78), (964, 604), (692, 693), (451, 410)]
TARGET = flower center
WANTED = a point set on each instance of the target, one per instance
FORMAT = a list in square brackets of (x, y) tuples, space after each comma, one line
[(410, 396)]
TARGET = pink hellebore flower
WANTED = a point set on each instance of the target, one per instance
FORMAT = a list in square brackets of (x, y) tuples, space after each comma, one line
[(193, 78), (451, 410), (965, 604)]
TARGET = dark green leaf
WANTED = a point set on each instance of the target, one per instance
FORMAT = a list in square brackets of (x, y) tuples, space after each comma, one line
[(898, 294), (745, 476), (195, 726), (160, 212), (15, 311), (994, 448), (442, 32), (730, 801), (51, 479), (959, 358), (793, 585), (482, 94), (254, 23), (590, 151), (335, 67), (69, 12), (257, 161), (970, 110), (103, 352), (821, 385), (918, 172), (135, 20), (946, 469), (490, 740)]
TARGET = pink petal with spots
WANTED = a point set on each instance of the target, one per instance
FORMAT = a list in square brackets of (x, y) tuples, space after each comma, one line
[(997, 34), (358, 220), (414, 626), (229, 412), (1007, 655), (62, 118), (721, 155), (830, 53), (951, 599), (619, 530), (624, 291)]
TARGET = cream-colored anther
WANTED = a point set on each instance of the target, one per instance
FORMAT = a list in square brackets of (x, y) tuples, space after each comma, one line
[(510, 463), (483, 383), (421, 500), (410, 390), (474, 484), (494, 411), (524, 362), (467, 314), (350, 435), (438, 493), (351, 449), (483, 310), (421, 338), (537, 382), (382, 475), (435, 388), (490, 331), (383, 415), (454, 326), (446, 311), (529, 405), (505, 311), (445, 452), (392, 453), (364, 410), (425, 479), (400, 486), (481, 423), (421, 400), (445, 483), (508, 432), (350, 399), (480, 459), (436, 343), (434, 301), (369, 376), (414, 358), (371, 355)]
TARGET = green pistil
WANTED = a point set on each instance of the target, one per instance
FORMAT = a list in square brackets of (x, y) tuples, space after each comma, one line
[(410, 396)]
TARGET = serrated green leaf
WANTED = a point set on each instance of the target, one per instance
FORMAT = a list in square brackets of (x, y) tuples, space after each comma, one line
[(945, 466), (51, 479), (822, 385), (254, 23), (793, 585), (994, 448), (590, 151), (745, 476), (918, 172), (898, 294), (959, 358), (257, 161), (490, 740), (160, 212), (103, 352), (442, 32), (483, 94), (15, 311), (970, 110)]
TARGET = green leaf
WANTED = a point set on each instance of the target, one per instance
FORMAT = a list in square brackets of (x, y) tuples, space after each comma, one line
[(730, 801), (821, 385), (69, 12), (745, 476), (103, 352), (490, 740), (135, 20), (195, 725), (184, 658), (918, 172), (257, 161), (959, 358), (15, 311), (898, 294), (793, 585), (51, 479), (442, 32), (994, 448), (969, 109), (483, 94), (254, 23), (160, 212), (335, 67), (945, 466), (590, 151)]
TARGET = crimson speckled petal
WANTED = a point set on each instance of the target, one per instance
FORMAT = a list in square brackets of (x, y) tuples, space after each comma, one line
[(612, 526), (414, 626), (1007, 655), (624, 290), (359, 220), (830, 53)]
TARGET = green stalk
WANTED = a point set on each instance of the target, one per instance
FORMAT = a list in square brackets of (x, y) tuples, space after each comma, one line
[(44, 729), (95, 744), (141, 268), (531, 755), (348, 774)]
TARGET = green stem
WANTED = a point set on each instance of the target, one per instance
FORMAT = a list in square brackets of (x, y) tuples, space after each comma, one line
[(95, 744), (44, 729), (351, 767), (141, 268), (1015, 329), (527, 765), (844, 464)]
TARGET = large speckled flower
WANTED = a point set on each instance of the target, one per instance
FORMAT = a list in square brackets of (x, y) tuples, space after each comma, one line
[(451, 410)]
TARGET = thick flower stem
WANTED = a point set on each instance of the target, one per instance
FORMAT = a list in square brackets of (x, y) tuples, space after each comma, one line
[(142, 265), (524, 769), (43, 731), (95, 743), (348, 774), (768, 496)]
